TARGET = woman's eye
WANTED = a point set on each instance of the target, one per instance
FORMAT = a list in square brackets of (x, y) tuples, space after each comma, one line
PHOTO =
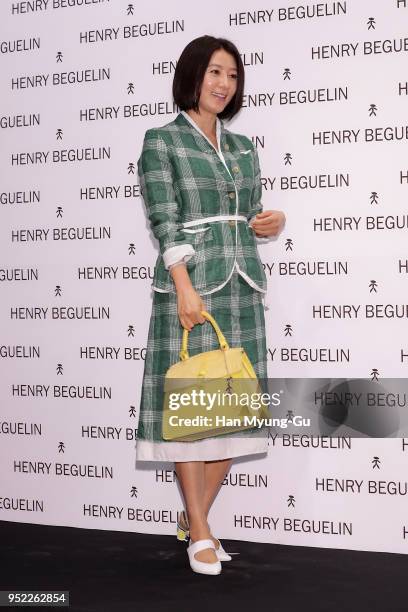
[(234, 76)]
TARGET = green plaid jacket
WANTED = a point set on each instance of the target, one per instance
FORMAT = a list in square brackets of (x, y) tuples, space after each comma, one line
[(182, 178)]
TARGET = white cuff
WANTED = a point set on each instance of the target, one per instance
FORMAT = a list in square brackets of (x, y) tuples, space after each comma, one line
[(177, 253), (178, 263)]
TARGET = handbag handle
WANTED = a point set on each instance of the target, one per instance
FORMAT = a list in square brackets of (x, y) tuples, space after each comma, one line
[(221, 338)]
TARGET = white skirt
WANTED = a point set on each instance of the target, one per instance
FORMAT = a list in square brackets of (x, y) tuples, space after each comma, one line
[(209, 449)]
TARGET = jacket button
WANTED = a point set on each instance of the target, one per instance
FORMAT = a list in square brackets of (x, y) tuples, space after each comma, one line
[(235, 169), (226, 147), (231, 222), (231, 195)]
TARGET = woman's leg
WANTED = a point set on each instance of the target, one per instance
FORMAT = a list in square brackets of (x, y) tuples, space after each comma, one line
[(215, 472), (191, 476)]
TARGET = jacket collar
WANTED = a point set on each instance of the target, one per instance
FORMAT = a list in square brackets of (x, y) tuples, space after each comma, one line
[(184, 118)]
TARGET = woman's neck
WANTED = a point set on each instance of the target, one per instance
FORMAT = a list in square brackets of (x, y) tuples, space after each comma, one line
[(205, 121)]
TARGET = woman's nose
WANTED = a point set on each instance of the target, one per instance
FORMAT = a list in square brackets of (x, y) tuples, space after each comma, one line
[(223, 81)]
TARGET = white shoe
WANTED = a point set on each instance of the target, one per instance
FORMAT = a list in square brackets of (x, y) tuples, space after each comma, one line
[(202, 567), (183, 534), (221, 554)]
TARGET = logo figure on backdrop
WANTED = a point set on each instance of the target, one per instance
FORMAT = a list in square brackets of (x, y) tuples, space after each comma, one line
[(291, 501), (288, 159), (286, 74), (288, 329), (372, 110), (371, 23), (374, 374), (289, 244), (376, 463), (373, 286), (57, 291), (59, 369), (374, 197)]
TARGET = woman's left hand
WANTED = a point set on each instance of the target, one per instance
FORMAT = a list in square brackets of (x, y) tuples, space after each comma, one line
[(268, 222)]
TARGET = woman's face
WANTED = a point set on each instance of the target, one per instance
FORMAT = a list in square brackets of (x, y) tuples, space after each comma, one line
[(219, 83)]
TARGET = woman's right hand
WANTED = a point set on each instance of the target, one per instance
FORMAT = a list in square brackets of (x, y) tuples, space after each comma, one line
[(189, 307)]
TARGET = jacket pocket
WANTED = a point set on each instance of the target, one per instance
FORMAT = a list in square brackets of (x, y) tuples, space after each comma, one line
[(198, 235)]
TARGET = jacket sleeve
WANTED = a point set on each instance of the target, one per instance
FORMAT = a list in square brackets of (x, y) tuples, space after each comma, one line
[(256, 204), (163, 210)]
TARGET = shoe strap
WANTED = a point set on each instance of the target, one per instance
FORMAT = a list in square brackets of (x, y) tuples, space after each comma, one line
[(201, 545), (185, 519)]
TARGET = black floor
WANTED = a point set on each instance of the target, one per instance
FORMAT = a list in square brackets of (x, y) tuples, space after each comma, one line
[(109, 571)]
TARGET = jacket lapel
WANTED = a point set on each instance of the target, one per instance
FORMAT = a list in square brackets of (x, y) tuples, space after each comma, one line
[(202, 141)]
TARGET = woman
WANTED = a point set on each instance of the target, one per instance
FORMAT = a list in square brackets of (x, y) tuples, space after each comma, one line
[(201, 186)]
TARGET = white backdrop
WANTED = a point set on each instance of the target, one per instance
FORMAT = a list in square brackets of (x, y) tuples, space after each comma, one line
[(81, 82)]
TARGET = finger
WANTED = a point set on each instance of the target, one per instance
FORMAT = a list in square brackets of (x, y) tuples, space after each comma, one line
[(191, 318), (267, 219), (201, 319), (262, 222), (185, 323), (198, 318), (262, 214), (268, 223), (265, 232), (189, 322), (265, 214), (270, 229)]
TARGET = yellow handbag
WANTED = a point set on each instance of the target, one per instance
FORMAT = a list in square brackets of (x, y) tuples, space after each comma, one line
[(212, 393)]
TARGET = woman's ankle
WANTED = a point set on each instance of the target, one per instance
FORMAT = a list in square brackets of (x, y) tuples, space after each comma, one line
[(199, 531)]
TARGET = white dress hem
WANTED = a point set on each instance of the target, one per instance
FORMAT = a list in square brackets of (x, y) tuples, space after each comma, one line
[(210, 449)]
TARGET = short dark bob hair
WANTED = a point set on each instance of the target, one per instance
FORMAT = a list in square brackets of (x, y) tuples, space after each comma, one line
[(190, 70)]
